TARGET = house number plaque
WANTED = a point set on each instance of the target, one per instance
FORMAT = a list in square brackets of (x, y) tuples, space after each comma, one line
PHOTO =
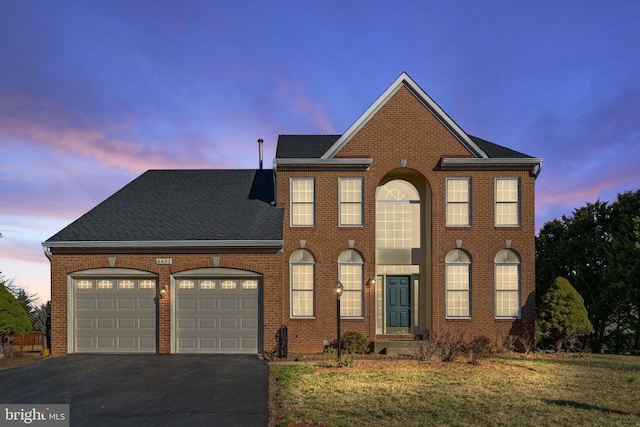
[(164, 261)]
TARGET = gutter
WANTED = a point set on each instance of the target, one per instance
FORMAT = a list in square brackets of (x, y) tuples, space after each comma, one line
[(533, 164), (163, 244), (321, 164)]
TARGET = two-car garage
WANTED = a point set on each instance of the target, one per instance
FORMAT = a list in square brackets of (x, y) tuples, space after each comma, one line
[(213, 310)]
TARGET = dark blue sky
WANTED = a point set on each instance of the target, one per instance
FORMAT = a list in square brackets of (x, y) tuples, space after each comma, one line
[(94, 93)]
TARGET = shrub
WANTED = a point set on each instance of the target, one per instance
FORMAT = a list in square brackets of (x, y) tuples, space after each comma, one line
[(13, 320), (450, 345), (424, 350), (562, 316), (478, 349), (355, 342)]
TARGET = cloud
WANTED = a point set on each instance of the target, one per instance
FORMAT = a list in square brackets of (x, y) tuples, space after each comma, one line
[(293, 95)]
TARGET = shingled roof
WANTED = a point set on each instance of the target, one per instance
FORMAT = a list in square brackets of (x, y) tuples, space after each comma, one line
[(183, 205), (314, 146)]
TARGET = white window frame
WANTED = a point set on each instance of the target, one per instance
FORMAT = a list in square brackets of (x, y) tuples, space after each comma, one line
[(351, 258), (509, 202), (307, 260), (294, 203), (454, 262), (342, 203), (507, 257), (459, 203)]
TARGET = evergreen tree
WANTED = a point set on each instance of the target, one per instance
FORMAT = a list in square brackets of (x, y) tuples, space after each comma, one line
[(562, 315), (13, 320)]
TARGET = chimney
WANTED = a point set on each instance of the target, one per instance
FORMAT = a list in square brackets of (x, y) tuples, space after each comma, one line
[(260, 141)]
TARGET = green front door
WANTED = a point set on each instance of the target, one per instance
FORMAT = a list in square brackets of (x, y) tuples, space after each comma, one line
[(397, 290)]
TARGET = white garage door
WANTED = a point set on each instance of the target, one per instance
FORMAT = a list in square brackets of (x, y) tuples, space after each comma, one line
[(114, 315), (216, 316)]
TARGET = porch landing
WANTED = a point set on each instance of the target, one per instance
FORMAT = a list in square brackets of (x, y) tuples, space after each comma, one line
[(394, 344)]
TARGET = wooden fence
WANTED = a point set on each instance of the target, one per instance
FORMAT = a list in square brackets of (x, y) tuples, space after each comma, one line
[(34, 341)]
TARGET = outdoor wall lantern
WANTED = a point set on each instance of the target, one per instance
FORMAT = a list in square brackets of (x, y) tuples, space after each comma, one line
[(163, 290), (371, 282), (339, 288)]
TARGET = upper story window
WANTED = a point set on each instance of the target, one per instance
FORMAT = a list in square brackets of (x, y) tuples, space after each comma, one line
[(507, 276), (350, 202), (458, 202), (303, 202), (458, 284), (507, 202), (301, 274), (397, 216)]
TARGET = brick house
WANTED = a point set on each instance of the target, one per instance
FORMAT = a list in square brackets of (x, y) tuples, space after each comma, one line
[(428, 229)]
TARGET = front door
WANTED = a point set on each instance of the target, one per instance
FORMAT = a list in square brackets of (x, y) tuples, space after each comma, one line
[(397, 305)]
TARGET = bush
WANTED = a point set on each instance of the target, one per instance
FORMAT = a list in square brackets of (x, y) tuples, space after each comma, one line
[(478, 349), (424, 350), (13, 320), (562, 316), (355, 342)]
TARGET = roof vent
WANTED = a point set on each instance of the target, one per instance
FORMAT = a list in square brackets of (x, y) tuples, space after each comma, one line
[(260, 141)]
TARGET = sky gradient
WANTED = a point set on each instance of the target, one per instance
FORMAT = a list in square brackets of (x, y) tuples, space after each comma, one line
[(92, 94)]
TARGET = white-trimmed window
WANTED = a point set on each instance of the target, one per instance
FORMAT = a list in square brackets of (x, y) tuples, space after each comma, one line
[(507, 202), (351, 205), (458, 284), (458, 202), (397, 216), (303, 202), (302, 274), (350, 273), (507, 273)]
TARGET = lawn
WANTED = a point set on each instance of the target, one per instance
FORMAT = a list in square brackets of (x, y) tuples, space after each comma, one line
[(595, 390)]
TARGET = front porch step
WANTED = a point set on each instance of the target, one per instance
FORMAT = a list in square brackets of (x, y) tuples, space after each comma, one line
[(393, 347)]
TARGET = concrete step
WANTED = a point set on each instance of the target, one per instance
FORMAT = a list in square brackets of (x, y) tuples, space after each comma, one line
[(393, 348)]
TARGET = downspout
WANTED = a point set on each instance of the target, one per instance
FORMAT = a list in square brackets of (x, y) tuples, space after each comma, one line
[(47, 251)]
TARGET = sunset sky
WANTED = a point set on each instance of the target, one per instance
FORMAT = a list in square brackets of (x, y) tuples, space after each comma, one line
[(92, 94)]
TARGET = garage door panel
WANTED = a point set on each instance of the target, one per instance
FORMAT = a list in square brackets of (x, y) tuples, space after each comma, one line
[(106, 303), (225, 314), (117, 319)]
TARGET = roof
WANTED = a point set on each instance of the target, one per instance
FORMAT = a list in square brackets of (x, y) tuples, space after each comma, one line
[(184, 205), (304, 146), (315, 146), (495, 151)]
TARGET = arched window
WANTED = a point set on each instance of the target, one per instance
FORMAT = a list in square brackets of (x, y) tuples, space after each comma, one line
[(302, 275), (458, 273), (507, 273), (351, 275), (397, 216)]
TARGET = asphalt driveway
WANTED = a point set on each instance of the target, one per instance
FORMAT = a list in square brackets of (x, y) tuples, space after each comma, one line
[(146, 390)]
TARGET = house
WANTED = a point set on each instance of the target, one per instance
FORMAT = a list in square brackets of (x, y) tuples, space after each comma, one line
[(428, 229)]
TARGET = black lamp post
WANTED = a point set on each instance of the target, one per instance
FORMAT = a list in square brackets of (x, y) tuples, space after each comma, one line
[(339, 288)]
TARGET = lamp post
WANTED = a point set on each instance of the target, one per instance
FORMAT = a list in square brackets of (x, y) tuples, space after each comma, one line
[(339, 288)]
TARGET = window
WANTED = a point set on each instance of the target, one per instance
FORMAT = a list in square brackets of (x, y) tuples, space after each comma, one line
[(350, 201), (126, 284), (458, 284), (507, 266), (350, 274), (84, 284), (507, 202), (458, 202), (228, 284), (397, 216), (302, 202), (207, 284), (105, 284), (147, 284), (186, 284), (302, 283), (249, 284)]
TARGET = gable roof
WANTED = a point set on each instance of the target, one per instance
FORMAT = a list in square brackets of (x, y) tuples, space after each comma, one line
[(182, 207), (495, 151), (405, 81)]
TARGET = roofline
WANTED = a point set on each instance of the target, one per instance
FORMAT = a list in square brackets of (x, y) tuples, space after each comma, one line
[(165, 243), (315, 163), (421, 95), (465, 163)]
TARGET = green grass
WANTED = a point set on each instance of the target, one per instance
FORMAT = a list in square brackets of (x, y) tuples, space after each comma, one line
[(598, 390)]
